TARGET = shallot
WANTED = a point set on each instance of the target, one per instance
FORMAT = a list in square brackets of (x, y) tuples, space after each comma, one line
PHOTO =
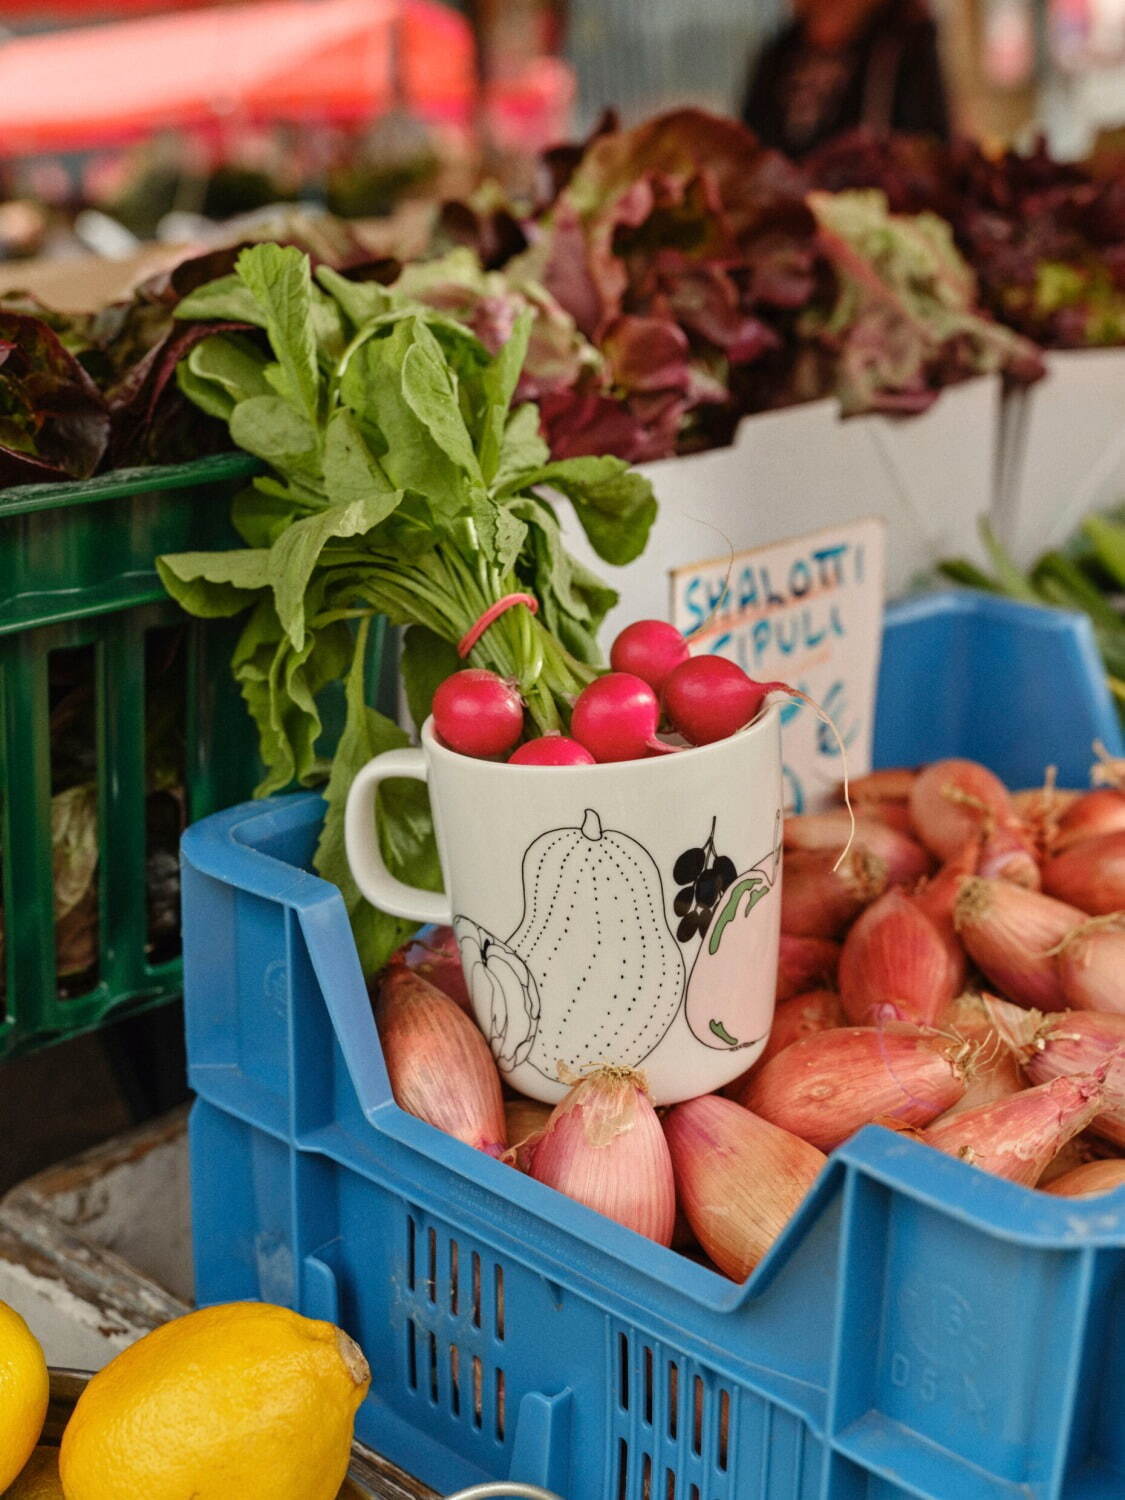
[(1090, 875), (438, 1063), (1088, 1180), (995, 1072), (1007, 853), (740, 1179), (1091, 816), (821, 894), (603, 1146), (1017, 1137), (904, 857), (1091, 964), (952, 799), (938, 896), (889, 785), (436, 956), (828, 1085), (803, 963), (800, 1015), (526, 1120), (895, 965), (1065, 1045), (1011, 934)]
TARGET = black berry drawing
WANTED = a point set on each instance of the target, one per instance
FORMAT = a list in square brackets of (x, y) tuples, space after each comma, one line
[(592, 973), (703, 876)]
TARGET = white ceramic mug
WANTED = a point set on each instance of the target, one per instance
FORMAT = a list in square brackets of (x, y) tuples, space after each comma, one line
[(577, 892)]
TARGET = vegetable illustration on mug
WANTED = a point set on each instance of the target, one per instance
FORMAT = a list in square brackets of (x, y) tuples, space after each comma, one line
[(721, 1011), (600, 889)]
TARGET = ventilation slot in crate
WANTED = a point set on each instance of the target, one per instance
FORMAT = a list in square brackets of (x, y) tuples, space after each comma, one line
[(672, 1427), (456, 1322)]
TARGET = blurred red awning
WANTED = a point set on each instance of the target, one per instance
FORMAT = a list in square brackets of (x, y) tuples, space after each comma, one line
[(275, 60), (39, 12)]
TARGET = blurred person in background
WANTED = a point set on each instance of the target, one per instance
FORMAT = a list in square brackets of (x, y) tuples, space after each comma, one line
[(841, 64)]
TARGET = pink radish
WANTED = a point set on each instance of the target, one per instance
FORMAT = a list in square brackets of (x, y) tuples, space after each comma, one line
[(709, 698), (477, 713), (650, 650), (551, 750), (616, 717)]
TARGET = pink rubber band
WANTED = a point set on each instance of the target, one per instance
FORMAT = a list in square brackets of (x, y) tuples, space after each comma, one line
[(492, 613)]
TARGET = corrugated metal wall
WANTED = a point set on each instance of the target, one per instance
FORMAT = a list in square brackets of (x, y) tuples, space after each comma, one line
[(645, 55)]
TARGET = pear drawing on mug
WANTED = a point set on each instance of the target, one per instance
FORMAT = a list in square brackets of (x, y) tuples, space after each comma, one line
[(592, 974)]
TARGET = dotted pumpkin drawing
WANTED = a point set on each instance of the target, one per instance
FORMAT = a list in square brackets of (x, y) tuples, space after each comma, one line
[(594, 925)]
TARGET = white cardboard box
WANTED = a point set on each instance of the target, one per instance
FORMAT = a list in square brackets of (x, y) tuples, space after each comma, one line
[(799, 470), (1062, 450)]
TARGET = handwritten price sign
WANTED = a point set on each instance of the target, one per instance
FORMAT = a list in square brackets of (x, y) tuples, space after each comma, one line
[(808, 612)]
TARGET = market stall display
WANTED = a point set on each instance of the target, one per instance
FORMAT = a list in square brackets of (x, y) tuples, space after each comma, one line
[(592, 1170)]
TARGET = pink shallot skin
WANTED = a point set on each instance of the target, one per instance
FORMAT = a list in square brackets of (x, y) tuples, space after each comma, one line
[(804, 963), (822, 894), (951, 800), (437, 957), (828, 832), (895, 965), (1075, 1042), (828, 1085), (604, 1146), (1089, 1180), (796, 1017), (1089, 817), (1017, 1137), (740, 1179), (1090, 875), (1091, 966), (995, 1071), (438, 1062), (1011, 935)]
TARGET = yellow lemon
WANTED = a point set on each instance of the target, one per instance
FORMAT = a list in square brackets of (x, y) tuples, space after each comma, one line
[(240, 1402), (24, 1392), (40, 1480)]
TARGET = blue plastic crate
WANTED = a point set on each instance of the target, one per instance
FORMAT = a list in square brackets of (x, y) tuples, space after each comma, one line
[(1013, 685), (920, 1330)]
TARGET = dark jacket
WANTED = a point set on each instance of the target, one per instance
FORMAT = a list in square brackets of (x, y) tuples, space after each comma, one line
[(888, 78)]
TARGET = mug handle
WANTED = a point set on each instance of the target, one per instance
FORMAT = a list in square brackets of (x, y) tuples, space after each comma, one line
[(361, 841)]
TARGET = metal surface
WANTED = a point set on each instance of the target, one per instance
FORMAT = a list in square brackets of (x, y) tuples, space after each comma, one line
[(505, 1492)]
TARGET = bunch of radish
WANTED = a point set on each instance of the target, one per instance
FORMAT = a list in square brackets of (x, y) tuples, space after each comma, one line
[(958, 977), (657, 698)]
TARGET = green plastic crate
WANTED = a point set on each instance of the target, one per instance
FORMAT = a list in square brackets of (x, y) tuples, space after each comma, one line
[(78, 577)]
